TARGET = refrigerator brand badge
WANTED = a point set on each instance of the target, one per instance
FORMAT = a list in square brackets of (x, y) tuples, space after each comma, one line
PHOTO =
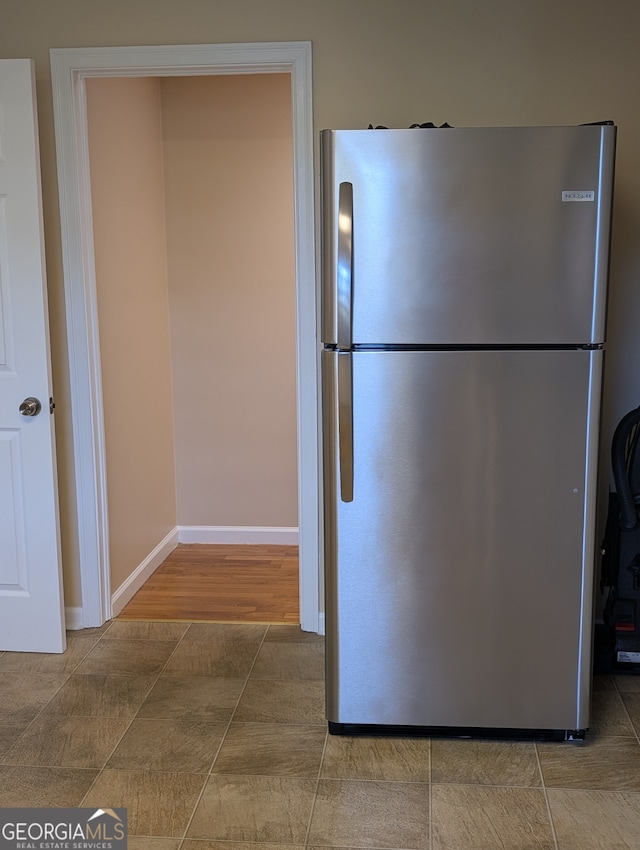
[(578, 196)]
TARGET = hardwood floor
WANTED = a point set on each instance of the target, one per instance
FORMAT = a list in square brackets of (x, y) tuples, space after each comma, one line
[(223, 583)]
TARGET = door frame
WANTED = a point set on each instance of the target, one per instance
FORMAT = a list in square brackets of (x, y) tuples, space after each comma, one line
[(70, 67)]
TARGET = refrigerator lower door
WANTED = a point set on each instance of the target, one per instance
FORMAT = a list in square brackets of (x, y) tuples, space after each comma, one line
[(459, 577)]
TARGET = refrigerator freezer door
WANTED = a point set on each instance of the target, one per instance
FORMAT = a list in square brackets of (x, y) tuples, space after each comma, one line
[(459, 578), (468, 236)]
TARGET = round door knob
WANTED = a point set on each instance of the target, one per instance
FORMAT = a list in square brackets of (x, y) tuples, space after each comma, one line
[(30, 407)]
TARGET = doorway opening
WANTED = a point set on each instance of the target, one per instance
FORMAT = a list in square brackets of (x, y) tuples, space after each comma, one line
[(70, 71), (192, 204)]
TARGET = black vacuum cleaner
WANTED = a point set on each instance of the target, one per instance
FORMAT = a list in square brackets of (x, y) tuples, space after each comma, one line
[(617, 639)]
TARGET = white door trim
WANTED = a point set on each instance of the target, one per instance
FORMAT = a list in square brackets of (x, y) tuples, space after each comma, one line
[(69, 69)]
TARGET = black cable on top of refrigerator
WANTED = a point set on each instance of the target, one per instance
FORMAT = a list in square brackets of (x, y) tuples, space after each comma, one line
[(429, 125)]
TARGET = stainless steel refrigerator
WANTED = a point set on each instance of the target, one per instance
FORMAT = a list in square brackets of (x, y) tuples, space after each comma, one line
[(464, 300)]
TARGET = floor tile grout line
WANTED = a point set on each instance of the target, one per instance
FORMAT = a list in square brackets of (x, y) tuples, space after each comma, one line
[(430, 794), (246, 682), (95, 779), (315, 793), (15, 743), (222, 740), (135, 714), (51, 698), (624, 704), (552, 788), (546, 796), (237, 703), (205, 782), (244, 687)]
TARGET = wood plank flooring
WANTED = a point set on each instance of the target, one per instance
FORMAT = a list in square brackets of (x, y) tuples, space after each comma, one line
[(223, 583)]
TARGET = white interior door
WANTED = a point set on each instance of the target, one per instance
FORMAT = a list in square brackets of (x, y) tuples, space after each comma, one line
[(31, 599)]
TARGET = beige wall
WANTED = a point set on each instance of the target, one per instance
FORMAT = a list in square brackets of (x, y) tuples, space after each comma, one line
[(125, 149), (229, 201), (387, 62)]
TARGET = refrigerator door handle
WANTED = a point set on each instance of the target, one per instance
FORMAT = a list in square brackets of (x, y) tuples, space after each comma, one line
[(345, 425), (345, 264)]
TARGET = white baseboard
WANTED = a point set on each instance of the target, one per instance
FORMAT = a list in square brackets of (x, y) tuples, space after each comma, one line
[(73, 618), (132, 585), (238, 534)]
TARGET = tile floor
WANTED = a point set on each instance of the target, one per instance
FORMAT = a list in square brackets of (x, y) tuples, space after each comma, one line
[(213, 737)]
